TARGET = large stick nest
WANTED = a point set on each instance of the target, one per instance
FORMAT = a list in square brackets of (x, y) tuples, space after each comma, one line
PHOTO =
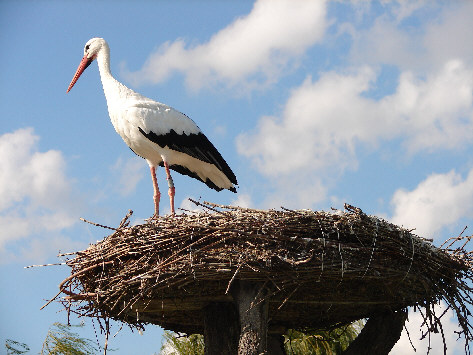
[(322, 269)]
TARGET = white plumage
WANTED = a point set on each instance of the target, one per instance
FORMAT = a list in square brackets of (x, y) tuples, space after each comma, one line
[(156, 132)]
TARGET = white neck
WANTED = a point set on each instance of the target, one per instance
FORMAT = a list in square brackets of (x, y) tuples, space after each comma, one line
[(109, 83)]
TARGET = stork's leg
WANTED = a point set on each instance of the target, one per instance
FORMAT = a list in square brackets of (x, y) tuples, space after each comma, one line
[(172, 190), (157, 194)]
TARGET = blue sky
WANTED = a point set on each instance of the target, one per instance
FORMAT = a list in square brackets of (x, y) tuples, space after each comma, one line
[(311, 103)]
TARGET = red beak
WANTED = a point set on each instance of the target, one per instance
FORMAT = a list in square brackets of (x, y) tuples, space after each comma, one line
[(84, 63)]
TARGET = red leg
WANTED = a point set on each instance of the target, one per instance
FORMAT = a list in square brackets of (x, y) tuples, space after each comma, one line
[(157, 194), (172, 190)]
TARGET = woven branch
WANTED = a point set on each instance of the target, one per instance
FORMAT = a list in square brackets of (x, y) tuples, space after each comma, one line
[(321, 269)]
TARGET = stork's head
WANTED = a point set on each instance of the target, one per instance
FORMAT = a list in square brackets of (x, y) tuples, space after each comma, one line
[(91, 50)]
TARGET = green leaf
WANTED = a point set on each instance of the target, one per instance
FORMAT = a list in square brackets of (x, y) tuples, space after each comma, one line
[(62, 341), (321, 342), (175, 344)]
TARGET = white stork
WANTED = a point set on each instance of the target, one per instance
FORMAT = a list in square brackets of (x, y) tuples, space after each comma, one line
[(157, 132)]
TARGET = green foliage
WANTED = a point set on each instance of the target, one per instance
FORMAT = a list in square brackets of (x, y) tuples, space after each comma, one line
[(14, 347), (318, 342), (174, 344), (321, 342), (62, 341)]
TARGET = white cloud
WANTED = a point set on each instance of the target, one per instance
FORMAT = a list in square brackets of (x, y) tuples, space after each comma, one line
[(35, 194), (450, 36), (435, 113), (297, 191), (243, 200), (315, 130), (131, 172), (40, 249), (251, 51), (372, 47), (404, 8), (438, 201), (25, 172), (414, 326), (324, 122), (424, 47)]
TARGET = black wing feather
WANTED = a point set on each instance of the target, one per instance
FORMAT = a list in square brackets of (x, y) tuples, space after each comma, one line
[(184, 171), (195, 145)]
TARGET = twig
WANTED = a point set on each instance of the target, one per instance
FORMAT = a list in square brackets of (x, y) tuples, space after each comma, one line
[(97, 224), (53, 264), (233, 277)]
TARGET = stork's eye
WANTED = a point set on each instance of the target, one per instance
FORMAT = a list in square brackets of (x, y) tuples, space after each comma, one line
[(87, 47)]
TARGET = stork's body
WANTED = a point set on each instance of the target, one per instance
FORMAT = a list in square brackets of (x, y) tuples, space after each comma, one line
[(157, 132)]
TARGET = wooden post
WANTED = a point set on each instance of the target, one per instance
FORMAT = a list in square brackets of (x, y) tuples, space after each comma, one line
[(221, 328), (379, 335), (253, 315), (276, 344)]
